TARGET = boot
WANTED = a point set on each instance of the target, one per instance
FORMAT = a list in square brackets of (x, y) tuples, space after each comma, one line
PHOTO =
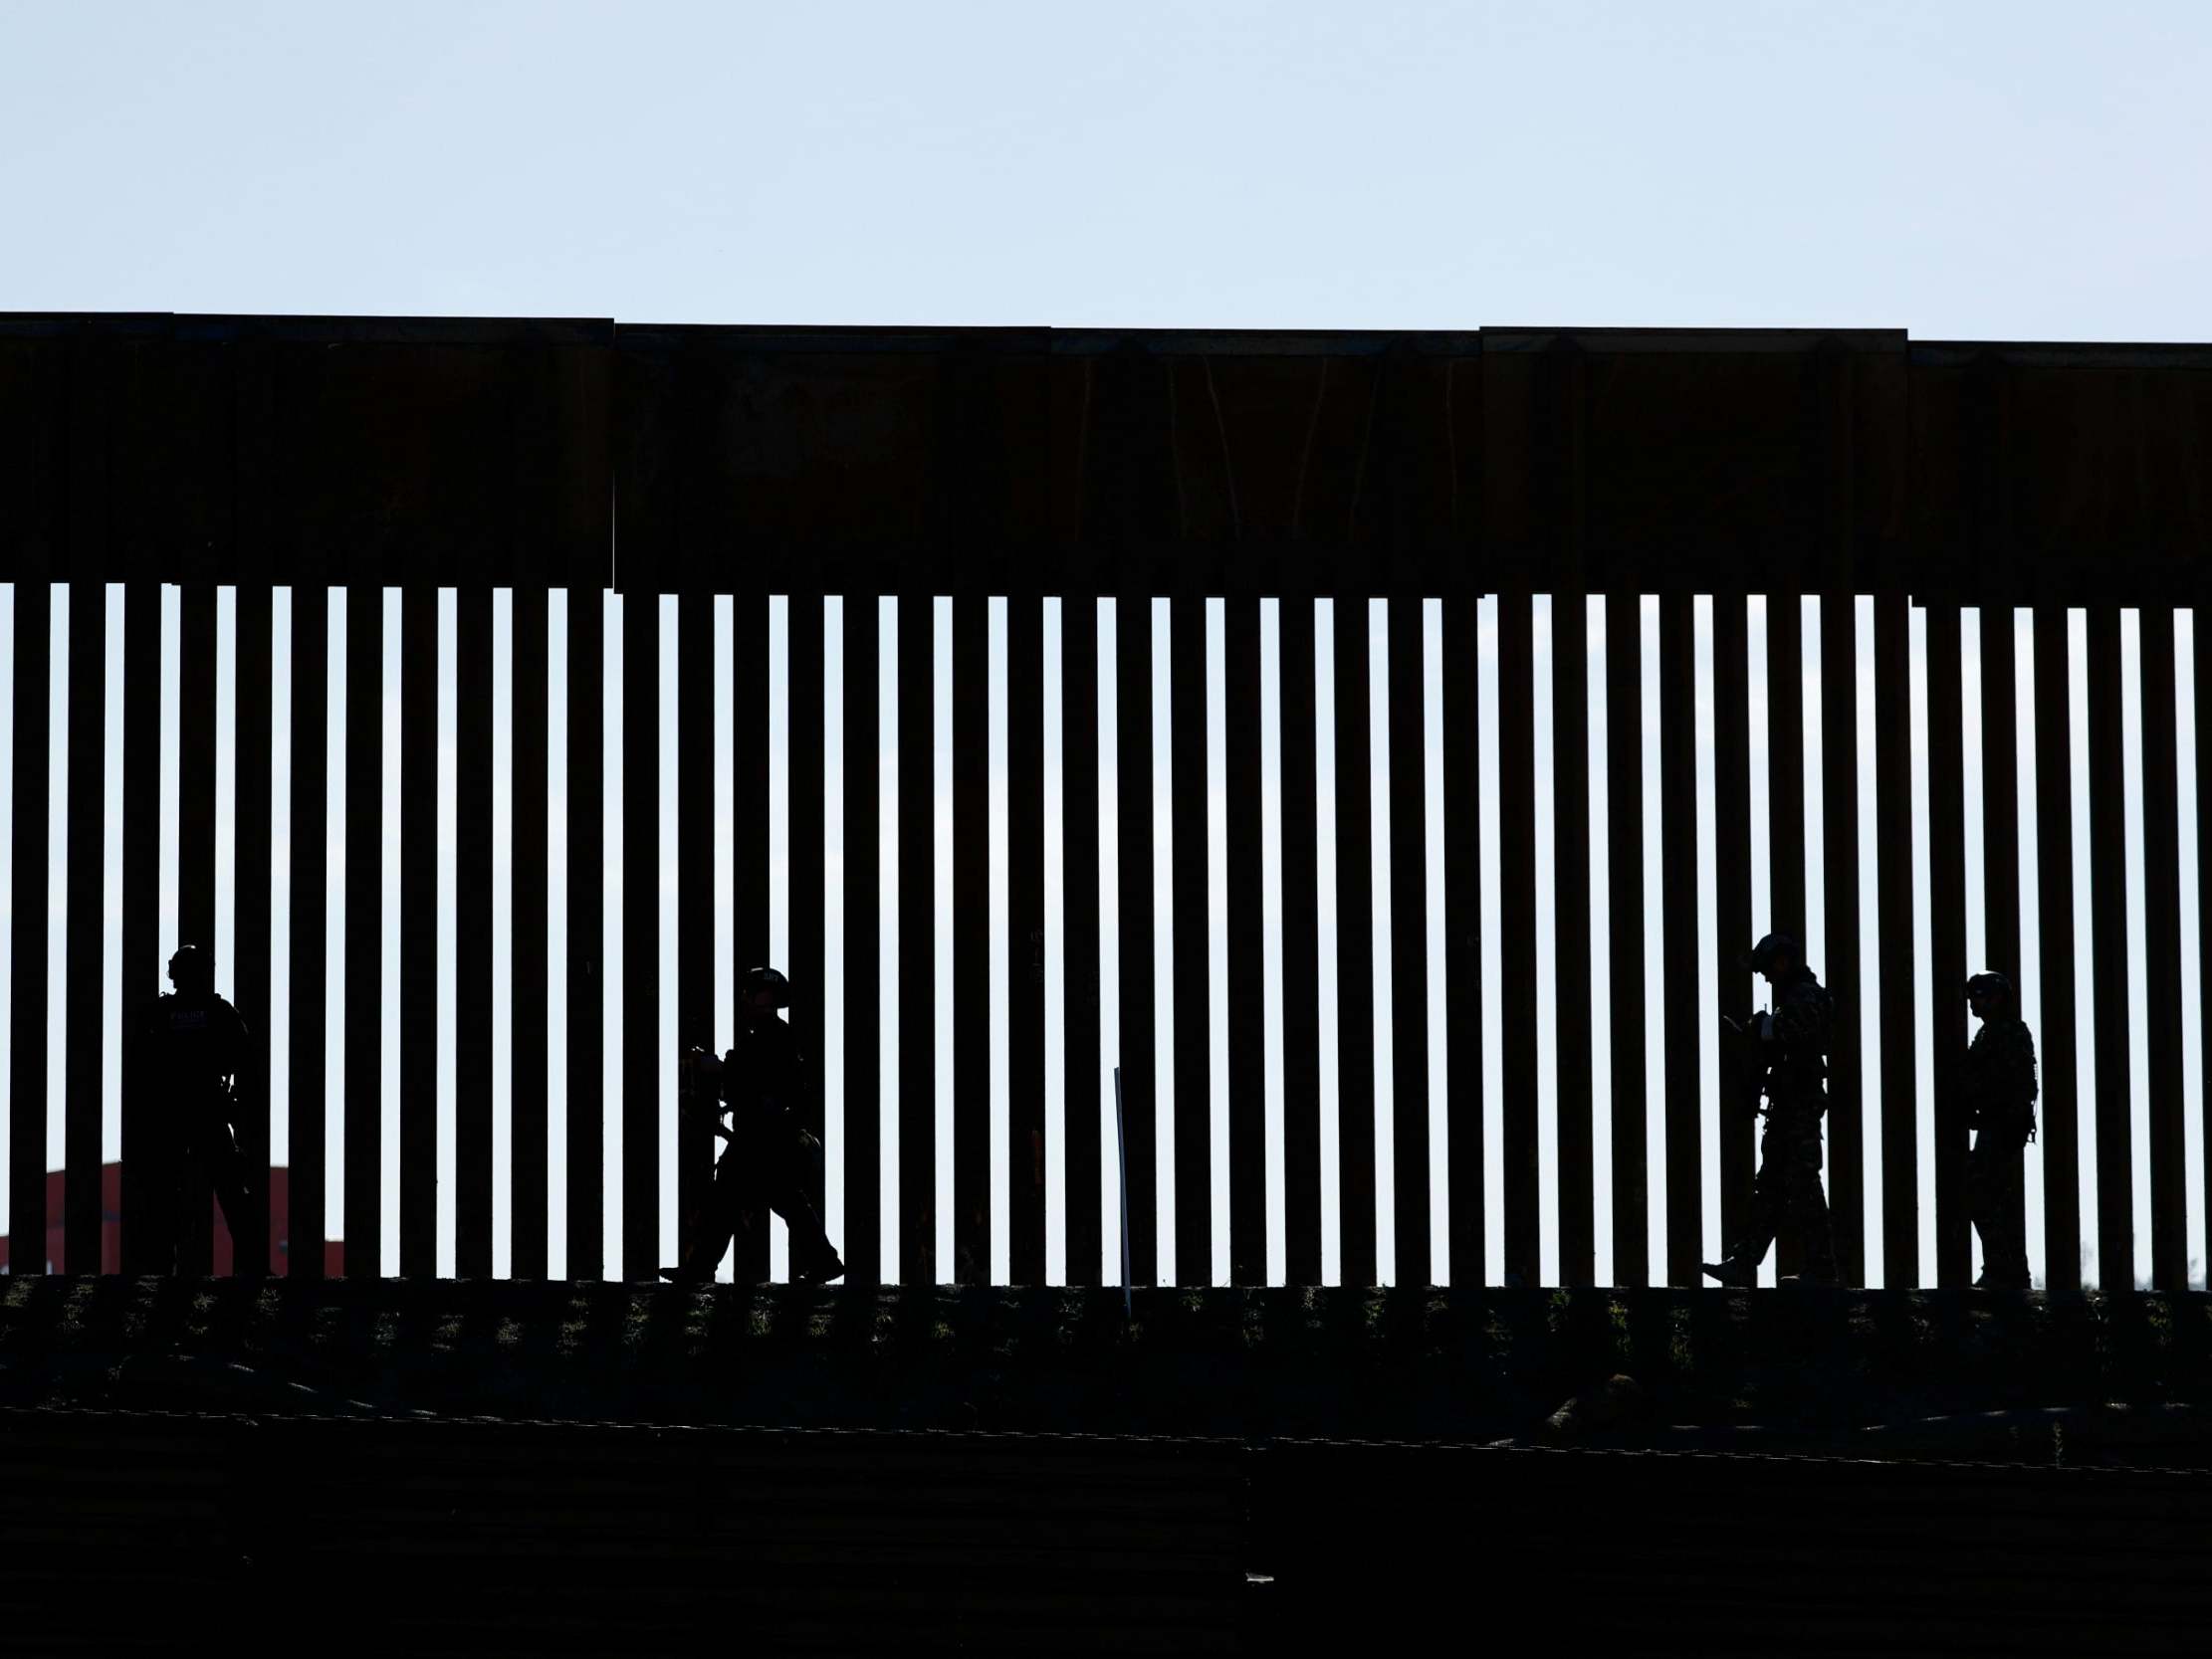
[(1734, 1273), (822, 1265)]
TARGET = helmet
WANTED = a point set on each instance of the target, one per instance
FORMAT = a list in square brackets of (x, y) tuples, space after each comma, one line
[(1994, 985), (1769, 950), (190, 967), (758, 980)]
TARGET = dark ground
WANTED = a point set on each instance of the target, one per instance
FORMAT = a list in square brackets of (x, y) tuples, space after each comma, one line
[(496, 1466)]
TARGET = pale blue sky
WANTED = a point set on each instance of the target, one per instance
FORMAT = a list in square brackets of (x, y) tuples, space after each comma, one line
[(1968, 169), (1964, 170)]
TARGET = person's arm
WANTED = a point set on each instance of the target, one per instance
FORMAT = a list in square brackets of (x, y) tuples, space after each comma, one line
[(2019, 1077)]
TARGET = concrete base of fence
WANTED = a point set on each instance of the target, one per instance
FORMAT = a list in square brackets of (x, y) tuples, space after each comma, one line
[(2123, 1377)]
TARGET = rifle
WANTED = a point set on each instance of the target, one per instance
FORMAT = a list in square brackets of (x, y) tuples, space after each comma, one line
[(1743, 1057)]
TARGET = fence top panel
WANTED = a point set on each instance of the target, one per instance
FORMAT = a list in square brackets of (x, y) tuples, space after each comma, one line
[(1100, 460), (307, 449)]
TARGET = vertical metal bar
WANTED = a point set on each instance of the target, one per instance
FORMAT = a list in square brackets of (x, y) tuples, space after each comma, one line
[(1248, 944), (695, 884), (1191, 947), (1301, 949), (1624, 670), (1900, 1236), (2169, 1189), (1680, 965), (2200, 623), (1079, 911), (1133, 808), (2059, 1109), (27, 1010), (1948, 938), (1408, 833), (1570, 666), (1355, 948), (418, 931), (918, 988), (970, 939), (808, 753), (863, 898), (587, 1081), (528, 978), (364, 928), (641, 978), (195, 846), (1732, 906), (1786, 849), (472, 934), (751, 697), (308, 1083), (1517, 899), (1025, 935), (1463, 1035), (1121, 1158), (2115, 1219), (2000, 797), (195, 829), (1839, 886), (88, 856), (1786, 828), (144, 1223), (251, 862)]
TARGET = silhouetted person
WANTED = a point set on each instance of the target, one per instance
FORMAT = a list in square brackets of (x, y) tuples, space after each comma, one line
[(2000, 1084), (194, 1045), (1788, 1063), (775, 1157)]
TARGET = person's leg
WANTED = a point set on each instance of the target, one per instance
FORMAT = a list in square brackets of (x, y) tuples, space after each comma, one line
[(1981, 1206), (719, 1218), (792, 1169), (1741, 1266), (1996, 1201), (161, 1207), (2013, 1190), (227, 1173), (1808, 1201), (195, 1219)]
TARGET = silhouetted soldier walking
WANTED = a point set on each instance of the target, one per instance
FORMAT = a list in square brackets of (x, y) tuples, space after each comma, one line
[(775, 1159), (1788, 1063), (195, 1044), (2000, 1085)]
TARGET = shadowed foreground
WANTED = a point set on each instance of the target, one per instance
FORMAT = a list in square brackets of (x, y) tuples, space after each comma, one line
[(523, 1467)]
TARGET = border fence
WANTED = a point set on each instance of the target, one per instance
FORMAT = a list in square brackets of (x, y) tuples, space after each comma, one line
[(1748, 549)]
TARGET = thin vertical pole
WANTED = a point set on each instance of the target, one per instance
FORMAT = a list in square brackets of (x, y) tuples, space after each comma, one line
[(28, 934), (472, 934), (1409, 864), (365, 928), (1025, 1128), (1080, 904), (1190, 945), (1248, 944), (528, 972), (2059, 1109), (1948, 938), (1625, 807), (1301, 949), (87, 930), (251, 864)]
